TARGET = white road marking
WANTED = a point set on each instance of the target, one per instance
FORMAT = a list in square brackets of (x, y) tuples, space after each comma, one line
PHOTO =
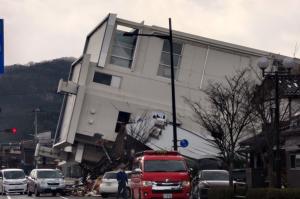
[(8, 197), (64, 197)]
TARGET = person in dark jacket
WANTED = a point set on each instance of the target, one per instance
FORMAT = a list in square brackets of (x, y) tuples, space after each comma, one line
[(122, 182)]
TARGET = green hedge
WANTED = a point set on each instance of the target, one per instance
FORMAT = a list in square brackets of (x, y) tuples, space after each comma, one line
[(263, 193), (273, 193)]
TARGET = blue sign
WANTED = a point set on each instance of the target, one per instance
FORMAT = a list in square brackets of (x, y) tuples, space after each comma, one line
[(184, 143), (1, 46)]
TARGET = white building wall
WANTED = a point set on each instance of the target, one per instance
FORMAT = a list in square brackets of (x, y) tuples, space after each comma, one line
[(141, 89), (95, 43)]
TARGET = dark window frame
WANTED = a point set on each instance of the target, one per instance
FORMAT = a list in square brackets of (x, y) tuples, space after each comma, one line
[(119, 44), (166, 51), (293, 161), (123, 118), (102, 78)]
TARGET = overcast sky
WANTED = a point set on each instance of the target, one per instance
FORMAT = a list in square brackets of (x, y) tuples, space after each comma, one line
[(37, 30)]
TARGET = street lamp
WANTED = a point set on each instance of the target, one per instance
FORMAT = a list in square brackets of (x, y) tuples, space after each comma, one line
[(287, 64), (168, 37)]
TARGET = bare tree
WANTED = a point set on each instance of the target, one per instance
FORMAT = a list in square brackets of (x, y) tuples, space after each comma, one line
[(227, 113), (147, 125), (139, 127)]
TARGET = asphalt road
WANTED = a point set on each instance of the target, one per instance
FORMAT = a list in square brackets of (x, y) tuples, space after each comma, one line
[(45, 196)]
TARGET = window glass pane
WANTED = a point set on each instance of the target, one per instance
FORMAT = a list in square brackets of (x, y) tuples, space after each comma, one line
[(102, 78), (165, 62), (165, 59), (49, 174), (123, 48), (120, 62), (164, 166), (297, 161), (123, 118), (177, 47), (14, 175), (124, 41), (292, 161), (165, 71), (110, 176), (215, 175), (122, 52)]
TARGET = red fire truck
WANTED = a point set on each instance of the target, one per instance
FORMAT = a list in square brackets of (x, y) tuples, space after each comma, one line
[(160, 174)]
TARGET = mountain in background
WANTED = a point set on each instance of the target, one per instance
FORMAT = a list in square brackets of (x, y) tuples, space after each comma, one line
[(26, 87)]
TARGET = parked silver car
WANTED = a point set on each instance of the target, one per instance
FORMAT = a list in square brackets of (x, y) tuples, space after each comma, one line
[(45, 181), (208, 179), (12, 181)]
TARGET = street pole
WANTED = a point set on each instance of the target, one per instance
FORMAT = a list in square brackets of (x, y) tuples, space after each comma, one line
[(277, 129), (173, 87), (287, 64), (170, 39), (36, 132), (35, 125)]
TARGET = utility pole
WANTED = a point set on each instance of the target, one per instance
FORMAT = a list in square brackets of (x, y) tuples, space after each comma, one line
[(277, 129), (35, 140), (276, 76), (168, 37)]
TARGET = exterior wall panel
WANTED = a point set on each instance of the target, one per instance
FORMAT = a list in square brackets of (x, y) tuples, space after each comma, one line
[(69, 106), (94, 43)]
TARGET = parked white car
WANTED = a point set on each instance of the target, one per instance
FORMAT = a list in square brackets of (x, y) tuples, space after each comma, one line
[(109, 184), (12, 181)]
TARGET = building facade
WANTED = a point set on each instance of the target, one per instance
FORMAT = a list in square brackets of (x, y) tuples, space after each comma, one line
[(118, 78)]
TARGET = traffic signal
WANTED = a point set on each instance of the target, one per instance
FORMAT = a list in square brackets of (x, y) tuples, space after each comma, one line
[(11, 130), (14, 130)]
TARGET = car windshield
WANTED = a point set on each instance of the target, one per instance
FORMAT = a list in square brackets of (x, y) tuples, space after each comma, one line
[(14, 175), (110, 176), (164, 166), (215, 175), (48, 174)]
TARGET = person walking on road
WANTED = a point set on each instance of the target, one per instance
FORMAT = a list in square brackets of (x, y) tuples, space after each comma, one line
[(122, 182)]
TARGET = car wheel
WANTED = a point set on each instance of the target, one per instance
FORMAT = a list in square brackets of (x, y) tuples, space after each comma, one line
[(53, 193), (36, 192), (3, 191), (194, 193), (198, 196), (104, 195)]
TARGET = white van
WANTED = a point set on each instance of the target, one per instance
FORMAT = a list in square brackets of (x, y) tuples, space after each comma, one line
[(12, 181)]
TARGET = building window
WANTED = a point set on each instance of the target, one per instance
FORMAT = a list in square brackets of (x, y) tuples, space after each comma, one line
[(295, 161), (123, 48), (106, 79), (123, 119), (164, 68)]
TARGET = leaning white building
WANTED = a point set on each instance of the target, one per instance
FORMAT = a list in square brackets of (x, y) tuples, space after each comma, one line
[(120, 77)]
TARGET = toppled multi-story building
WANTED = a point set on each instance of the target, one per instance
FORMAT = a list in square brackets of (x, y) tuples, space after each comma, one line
[(122, 80)]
